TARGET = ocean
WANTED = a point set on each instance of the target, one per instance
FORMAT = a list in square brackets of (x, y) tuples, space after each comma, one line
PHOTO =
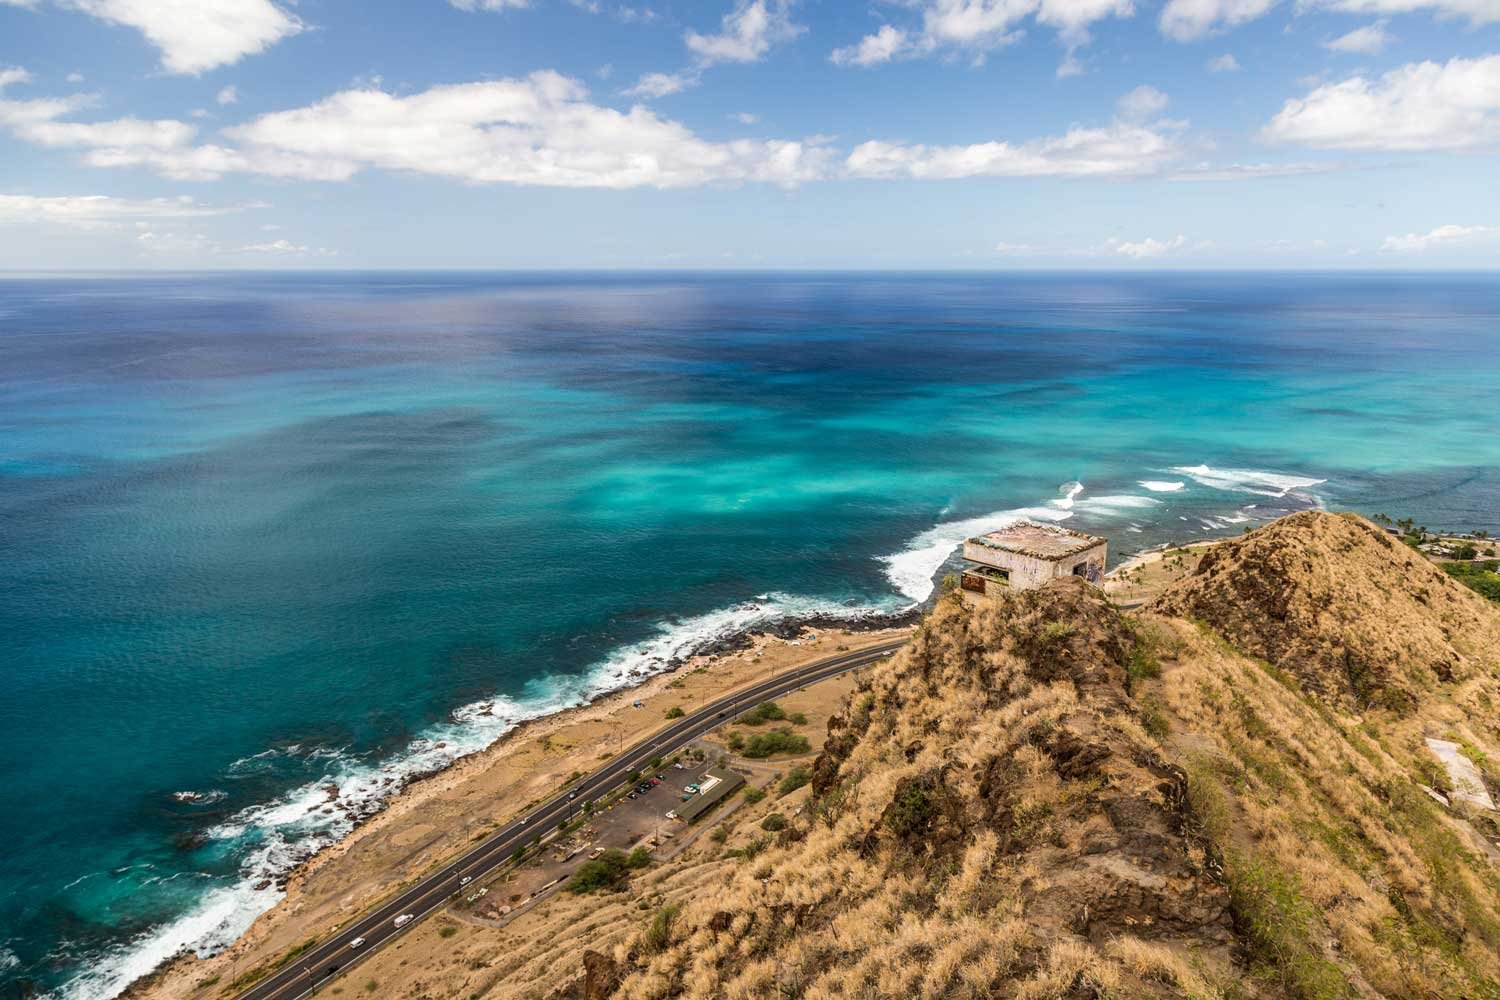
[(272, 543)]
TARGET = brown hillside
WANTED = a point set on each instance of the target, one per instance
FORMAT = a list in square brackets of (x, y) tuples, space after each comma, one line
[(1354, 614), (1046, 798), (989, 819)]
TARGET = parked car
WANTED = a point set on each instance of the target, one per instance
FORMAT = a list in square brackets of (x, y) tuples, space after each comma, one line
[(403, 920), (655, 782)]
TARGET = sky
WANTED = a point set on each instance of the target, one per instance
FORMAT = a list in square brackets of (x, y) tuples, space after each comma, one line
[(990, 134)]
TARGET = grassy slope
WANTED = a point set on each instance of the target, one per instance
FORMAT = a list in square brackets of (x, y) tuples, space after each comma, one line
[(1218, 798)]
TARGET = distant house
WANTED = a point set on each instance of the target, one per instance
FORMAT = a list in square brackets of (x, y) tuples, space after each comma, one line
[(717, 785), (1027, 555)]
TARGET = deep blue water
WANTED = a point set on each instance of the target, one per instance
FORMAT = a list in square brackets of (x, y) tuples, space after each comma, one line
[(264, 533)]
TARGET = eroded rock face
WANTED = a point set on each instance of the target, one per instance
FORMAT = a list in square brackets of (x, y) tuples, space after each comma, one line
[(601, 976), (1353, 614)]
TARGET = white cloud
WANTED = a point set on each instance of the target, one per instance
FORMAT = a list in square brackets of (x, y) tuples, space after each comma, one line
[(543, 130), (1119, 149), (1188, 20), (228, 95), (977, 26), (97, 209), (749, 31), (1441, 236), (1369, 40), (1419, 106), (745, 118), (1142, 103), (170, 243), (538, 130), (197, 35), (75, 77), (662, 84), (1226, 63), (1149, 247), (883, 46), (1250, 171), (285, 248), (1073, 18), (1476, 11)]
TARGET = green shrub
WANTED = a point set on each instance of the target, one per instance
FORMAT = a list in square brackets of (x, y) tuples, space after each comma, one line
[(777, 741), (675, 712), (773, 823), (447, 931), (1477, 576), (753, 794), (766, 711), (639, 858), (751, 849), (604, 872), (658, 933), (797, 719), (912, 810), (736, 742), (795, 779)]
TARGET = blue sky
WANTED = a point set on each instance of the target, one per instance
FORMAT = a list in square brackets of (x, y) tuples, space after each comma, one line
[(649, 134)]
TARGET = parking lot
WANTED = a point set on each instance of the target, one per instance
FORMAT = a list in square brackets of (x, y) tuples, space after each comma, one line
[(636, 818)]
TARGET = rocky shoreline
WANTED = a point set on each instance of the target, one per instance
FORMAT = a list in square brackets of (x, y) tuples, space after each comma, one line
[(789, 629)]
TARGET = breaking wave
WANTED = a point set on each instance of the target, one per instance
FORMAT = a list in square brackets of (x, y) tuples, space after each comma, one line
[(1269, 484)]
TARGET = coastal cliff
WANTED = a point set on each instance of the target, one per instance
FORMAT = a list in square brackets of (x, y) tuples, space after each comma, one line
[(1225, 795)]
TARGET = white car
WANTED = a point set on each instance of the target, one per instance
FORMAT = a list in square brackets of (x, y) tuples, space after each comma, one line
[(466, 880), (356, 942), (403, 920)]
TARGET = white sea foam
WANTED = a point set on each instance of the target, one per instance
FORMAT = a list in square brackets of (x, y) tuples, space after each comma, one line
[(1116, 505), (1162, 486), (911, 570), (1069, 491), (1270, 484), (279, 835)]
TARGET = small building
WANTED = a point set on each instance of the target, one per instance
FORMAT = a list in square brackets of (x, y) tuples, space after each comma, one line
[(716, 786), (1027, 555)]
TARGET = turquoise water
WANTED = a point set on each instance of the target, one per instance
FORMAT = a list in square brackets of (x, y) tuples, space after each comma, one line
[(268, 534)]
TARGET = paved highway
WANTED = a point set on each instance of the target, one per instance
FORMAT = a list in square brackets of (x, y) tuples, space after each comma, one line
[(320, 964)]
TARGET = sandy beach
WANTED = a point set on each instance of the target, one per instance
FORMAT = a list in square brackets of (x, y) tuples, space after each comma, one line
[(435, 817)]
